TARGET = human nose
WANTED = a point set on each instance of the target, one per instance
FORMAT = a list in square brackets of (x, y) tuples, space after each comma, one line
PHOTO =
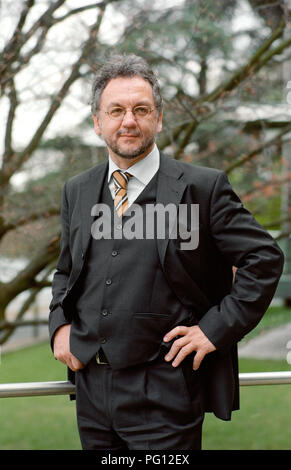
[(129, 118)]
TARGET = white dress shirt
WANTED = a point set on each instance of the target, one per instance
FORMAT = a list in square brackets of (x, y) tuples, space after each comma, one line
[(142, 172)]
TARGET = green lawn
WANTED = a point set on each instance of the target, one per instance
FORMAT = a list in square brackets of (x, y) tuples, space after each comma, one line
[(274, 317), (49, 422), (263, 421), (36, 422)]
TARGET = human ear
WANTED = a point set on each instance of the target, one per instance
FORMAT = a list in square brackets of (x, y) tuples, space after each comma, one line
[(160, 122), (97, 126)]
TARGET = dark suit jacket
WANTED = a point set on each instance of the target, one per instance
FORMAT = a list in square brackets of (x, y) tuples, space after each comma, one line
[(201, 278)]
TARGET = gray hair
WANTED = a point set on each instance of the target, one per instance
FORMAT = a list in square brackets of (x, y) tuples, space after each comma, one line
[(124, 66)]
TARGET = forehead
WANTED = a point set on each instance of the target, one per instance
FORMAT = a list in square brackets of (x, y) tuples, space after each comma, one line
[(127, 91)]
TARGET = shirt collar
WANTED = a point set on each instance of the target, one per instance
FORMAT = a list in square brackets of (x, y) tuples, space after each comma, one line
[(143, 170)]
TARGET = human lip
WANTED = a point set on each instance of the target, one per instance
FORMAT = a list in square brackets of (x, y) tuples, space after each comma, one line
[(129, 135)]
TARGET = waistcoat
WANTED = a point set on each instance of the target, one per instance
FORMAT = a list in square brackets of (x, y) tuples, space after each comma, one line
[(124, 303)]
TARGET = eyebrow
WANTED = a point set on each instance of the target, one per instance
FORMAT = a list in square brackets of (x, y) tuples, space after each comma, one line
[(139, 103)]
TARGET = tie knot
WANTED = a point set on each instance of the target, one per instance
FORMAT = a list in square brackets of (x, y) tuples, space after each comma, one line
[(121, 178)]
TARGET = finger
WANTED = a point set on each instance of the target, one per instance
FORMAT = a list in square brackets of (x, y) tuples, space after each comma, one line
[(76, 363), (181, 355), (175, 348), (71, 364), (61, 358), (198, 358), (177, 331)]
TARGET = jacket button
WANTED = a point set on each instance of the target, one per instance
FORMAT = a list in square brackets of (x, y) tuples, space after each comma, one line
[(108, 282), (114, 253), (103, 340), (104, 312)]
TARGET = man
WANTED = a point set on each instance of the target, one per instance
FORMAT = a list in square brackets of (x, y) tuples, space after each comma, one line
[(149, 326)]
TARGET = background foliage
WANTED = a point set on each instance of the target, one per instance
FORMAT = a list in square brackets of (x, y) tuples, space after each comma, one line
[(222, 67)]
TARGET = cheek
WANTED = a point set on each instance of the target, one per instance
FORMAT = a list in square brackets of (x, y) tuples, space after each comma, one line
[(154, 129), (109, 131)]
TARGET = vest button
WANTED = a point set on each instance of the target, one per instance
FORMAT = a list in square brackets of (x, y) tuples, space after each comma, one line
[(108, 282), (114, 253)]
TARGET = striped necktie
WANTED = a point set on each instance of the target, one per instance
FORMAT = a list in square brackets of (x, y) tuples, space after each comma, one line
[(120, 179)]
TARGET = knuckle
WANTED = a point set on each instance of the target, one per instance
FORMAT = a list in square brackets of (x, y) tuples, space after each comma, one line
[(178, 330), (177, 343), (182, 354), (57, 356)]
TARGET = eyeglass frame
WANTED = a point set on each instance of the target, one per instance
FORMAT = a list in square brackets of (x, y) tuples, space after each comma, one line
[(131, 110)]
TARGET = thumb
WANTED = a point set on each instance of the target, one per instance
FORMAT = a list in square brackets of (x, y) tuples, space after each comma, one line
[(76, 363)]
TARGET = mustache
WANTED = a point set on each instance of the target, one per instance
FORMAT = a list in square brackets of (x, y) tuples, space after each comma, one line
[(135, 133)]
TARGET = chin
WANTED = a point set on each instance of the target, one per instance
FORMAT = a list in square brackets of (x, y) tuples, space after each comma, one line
[(130, 150), (129, 155)]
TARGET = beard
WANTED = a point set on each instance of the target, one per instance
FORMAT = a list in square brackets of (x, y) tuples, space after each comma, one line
[(145, 145)]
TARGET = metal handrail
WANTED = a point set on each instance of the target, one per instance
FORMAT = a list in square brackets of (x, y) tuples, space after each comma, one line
[(33, 389), (265, 378), (36, 389)]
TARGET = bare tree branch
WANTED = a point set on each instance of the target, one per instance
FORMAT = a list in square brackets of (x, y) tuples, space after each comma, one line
[(284, 234), (27, 41), (18, 159), (266, 184), (278, 222), (10, 326), (11, 115), (75, 11), (186, 139), (26, 278), (12, 50), (6, 325), (246, 158), (252, 66), (6, 227), (256, 61)]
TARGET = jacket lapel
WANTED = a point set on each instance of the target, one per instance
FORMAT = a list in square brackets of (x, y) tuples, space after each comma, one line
[(171, 188), (169, 191), (90, 193)]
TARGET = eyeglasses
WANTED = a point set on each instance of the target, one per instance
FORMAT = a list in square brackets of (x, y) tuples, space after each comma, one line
[(139, 112)]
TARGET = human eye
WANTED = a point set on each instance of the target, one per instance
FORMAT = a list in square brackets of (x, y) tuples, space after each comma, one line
[(141, 111), (116, 112)]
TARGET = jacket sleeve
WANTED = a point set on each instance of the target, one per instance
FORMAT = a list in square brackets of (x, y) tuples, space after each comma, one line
[(259, 262), (59, 284)]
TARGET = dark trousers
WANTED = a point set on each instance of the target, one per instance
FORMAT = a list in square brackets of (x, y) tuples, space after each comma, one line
[(150, 406)]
